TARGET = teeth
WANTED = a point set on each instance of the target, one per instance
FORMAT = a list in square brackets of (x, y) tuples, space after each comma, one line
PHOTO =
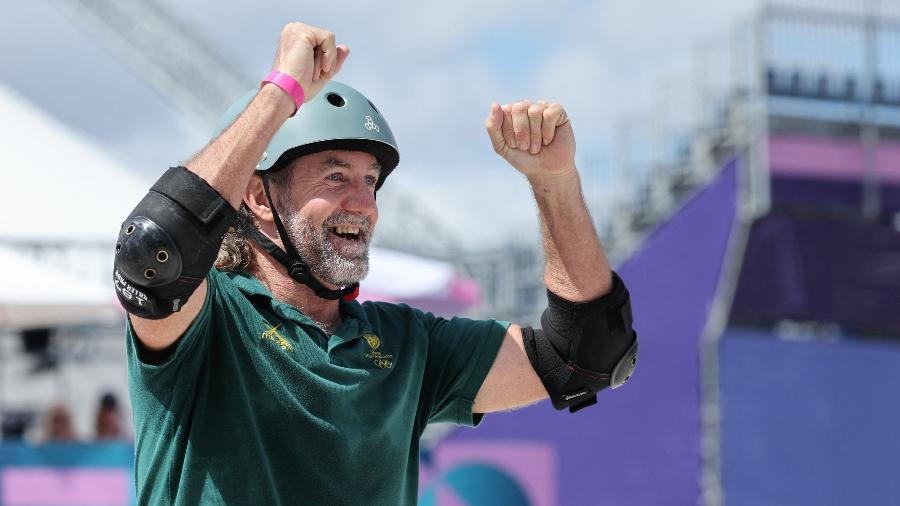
[(346, 230)]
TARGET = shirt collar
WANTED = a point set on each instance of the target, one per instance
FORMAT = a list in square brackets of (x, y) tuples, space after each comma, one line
[(350, 310)]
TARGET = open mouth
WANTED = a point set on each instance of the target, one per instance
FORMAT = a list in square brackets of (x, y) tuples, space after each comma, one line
[(348, 233)]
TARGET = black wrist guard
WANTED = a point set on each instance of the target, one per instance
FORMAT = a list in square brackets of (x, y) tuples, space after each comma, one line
[(584, 347), (168, 243)]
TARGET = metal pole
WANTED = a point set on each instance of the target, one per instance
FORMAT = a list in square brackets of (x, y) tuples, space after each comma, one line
[(869, 133), (759, 187)]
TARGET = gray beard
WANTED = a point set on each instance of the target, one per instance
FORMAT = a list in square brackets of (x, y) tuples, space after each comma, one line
[(325, 262)]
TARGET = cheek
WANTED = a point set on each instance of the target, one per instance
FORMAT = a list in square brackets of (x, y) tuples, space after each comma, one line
[(317, 210)]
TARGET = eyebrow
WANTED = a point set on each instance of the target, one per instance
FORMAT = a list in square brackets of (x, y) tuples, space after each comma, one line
[(331, 163)]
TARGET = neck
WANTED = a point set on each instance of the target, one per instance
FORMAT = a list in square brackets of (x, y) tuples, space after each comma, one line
[(275, 277)]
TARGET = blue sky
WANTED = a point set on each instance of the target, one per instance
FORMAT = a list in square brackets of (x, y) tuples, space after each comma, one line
[(432, 68)]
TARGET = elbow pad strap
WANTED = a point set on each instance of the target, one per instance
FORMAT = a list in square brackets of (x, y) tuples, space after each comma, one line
[(168, 243), (583, 347)]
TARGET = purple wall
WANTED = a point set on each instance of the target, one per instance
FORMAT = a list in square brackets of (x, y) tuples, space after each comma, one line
[(814, 423), (640, 445)]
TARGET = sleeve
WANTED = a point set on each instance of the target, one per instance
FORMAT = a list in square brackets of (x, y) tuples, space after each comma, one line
[(182, 362), (460, 354)]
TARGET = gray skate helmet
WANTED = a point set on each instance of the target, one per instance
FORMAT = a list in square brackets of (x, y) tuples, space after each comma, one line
[(338, 117)]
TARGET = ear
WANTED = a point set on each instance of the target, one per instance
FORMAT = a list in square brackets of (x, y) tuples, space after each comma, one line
[(255, 199)]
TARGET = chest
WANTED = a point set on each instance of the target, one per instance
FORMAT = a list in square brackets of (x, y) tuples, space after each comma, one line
[(358, 382)]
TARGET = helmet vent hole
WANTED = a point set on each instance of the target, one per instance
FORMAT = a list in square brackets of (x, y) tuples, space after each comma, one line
[(374, 108), (162, 256), (150, 273), (130, 229), (335, 100)]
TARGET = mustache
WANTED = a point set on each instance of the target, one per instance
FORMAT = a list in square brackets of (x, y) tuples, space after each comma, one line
[(347, 219)]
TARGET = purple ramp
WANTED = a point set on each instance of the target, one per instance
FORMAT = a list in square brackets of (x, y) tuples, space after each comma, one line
[(640, 445)]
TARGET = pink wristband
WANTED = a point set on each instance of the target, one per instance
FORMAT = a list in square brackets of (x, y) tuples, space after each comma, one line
[(287, 83)]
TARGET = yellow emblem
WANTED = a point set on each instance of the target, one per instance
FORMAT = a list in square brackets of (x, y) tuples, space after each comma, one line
[(381, 360), (273, 335), (373, 340)]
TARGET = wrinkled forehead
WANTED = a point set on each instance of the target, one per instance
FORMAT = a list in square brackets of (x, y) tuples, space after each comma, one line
[(328, 160)]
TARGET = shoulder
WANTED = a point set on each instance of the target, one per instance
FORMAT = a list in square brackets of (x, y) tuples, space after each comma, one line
[(221, 279), (228, 284), (386, 308), (380, 310), (394, 316)]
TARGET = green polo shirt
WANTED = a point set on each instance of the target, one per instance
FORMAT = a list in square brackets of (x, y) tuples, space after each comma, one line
[(256, 405)]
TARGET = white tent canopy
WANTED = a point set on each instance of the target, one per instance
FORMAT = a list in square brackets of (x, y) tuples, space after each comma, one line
[(64, 186), (66, 191)]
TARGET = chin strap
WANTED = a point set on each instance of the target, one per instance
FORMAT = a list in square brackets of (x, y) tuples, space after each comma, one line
[(290, 259)]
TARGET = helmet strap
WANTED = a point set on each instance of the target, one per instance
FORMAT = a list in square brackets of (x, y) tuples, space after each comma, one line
[(297, 269)]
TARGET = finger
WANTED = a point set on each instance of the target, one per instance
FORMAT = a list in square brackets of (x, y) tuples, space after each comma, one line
[(508, 135), (342, 53), (561, 117), (329, 51), (520, 124), (494, 126), (535, 119), (326, 46), (554, 116), (317, 64)]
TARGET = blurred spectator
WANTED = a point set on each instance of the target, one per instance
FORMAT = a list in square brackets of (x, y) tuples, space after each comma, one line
[(58, 427), (109, 420)]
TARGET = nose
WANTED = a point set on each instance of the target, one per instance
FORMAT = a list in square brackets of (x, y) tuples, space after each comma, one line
[(360, 199)]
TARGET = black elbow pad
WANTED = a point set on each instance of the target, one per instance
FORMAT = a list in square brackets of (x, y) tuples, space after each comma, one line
[(168, 243), (583, 347)]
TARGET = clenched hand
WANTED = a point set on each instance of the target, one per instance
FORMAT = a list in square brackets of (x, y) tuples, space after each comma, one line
[(535, 138), (309, 55)]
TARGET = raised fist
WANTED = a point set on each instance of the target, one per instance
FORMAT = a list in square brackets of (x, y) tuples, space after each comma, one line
[(535, 138), (310, 55)]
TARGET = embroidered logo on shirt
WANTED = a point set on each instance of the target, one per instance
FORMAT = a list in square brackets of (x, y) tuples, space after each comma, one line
[(381, 360), (373, 340), (273, 335)]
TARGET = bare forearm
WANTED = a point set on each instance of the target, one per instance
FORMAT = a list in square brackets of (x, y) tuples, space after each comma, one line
[(577, 268), (537, 139), (228, 161)]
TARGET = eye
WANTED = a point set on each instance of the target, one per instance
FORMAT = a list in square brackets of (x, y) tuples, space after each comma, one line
[(335, 176), (371, 180)]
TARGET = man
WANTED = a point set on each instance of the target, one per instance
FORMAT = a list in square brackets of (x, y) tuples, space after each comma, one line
[(263, 381)]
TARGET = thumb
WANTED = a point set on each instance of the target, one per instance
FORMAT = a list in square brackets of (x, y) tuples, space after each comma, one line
[(494, 126)]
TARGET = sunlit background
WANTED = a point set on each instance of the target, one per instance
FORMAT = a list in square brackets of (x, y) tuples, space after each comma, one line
[(741, 161)]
